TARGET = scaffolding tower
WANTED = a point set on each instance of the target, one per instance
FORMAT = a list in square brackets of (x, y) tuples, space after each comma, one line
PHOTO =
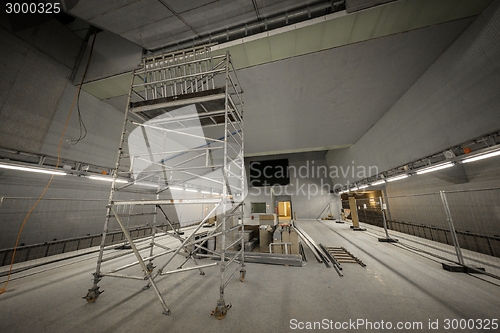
[(181, 146)]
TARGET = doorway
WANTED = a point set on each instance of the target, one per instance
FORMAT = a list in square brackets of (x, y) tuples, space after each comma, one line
[(285, 210)]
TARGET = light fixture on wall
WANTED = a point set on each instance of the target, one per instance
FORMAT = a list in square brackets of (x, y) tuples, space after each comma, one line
[(435, 168), (481, 156), (108, 179), (175, 188), (146, 184), (30, 169), (403, 176)]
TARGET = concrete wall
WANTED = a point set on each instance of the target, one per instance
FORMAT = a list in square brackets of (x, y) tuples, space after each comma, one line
[(455, 100), (474, 203), (36, 97), (103, 124), (71, 207), (51, 219), (308, 188), (112, 55), (31, 84)]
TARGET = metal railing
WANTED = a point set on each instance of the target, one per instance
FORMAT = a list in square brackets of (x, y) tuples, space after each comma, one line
[(459, 226), (63, 225)]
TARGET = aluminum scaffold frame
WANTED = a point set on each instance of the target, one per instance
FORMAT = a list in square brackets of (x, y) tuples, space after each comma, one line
[(181, 145)]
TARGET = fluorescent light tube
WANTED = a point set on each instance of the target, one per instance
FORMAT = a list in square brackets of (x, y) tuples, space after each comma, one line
[(481, 157), (108, 179), (147, 184), (397, 178), (21, 168), (191, 190), (205, 192), (378, 183), (353, 189), (361, 187), (435, 168), (176, 188)]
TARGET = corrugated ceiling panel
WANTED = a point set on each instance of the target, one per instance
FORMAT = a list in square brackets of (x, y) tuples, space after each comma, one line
[(392, 18), (269, 8), (89, 9), (219, 15), (181, 6), (119, 21), (154, 43), (157, 31)]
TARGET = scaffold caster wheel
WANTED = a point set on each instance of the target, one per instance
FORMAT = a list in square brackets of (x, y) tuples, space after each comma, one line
[(220, 310), (150, 267), (242, 275), (93, 294)]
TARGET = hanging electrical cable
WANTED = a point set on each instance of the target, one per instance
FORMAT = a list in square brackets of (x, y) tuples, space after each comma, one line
[(81, 124), (75, 100)]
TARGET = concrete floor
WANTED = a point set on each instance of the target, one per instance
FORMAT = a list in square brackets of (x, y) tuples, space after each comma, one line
[(396, 286)]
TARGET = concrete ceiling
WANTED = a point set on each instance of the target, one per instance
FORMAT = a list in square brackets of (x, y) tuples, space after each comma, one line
[(153, 24), (314, 85), (329, 99)]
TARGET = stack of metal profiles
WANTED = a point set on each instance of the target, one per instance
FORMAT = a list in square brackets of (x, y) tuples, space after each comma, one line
[(320, 252), (273, 258)]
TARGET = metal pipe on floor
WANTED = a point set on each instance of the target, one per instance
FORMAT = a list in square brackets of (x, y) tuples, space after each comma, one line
[(189, 268)]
